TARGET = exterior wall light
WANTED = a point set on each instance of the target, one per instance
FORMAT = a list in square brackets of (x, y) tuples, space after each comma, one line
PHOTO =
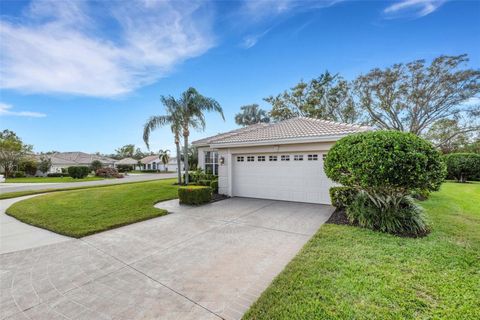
[(222, 160)]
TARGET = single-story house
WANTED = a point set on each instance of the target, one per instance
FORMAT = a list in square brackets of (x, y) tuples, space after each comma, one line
[(153, 162), (126, 161), (279, 161), (67, 159)]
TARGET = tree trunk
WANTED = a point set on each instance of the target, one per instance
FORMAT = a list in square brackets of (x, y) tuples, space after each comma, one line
[(179, 164), (185, 155)]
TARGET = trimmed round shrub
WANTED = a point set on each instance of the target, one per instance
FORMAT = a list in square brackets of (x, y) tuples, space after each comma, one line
[(391, 161), (78, 172), (214, 186), (463, 166), (194, 195), (405, 220), (342, 197), (386, 167)]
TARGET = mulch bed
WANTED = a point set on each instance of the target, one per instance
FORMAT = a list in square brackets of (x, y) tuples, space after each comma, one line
[(218, 197), (339, 217)]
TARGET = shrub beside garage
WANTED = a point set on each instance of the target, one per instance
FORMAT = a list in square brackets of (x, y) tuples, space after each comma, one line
[(385, 168), (194, 195)]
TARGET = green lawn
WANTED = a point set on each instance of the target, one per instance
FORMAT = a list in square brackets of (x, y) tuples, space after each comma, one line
[(50, 179), (351, 273), (87, 211)]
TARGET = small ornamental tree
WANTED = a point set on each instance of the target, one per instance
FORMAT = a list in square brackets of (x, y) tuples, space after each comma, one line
[(385, 167), (463, 166), (95, 165), (28, 165), (45, 164)]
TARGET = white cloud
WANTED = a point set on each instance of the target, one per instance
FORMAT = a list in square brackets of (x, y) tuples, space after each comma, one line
[(265, 14), (415, 8), (108, 50), (5, 110)]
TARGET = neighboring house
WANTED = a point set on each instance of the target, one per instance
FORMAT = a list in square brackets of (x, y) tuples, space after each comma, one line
[(67, 159), (154, 163), (127, 161), (280, 161)]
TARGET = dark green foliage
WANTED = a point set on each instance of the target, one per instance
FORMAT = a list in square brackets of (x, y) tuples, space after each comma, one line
[(150, 171), (19, 174), (420, 194), (124, 167), (29, 166), (95, 165), (406, 220), (342, 197), (78, 172), (463, 166), (204, 182), (214, 186), (385, 160), (57, 175), (194, 195)]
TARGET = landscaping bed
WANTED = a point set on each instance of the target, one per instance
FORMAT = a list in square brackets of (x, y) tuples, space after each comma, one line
[(347, 272)]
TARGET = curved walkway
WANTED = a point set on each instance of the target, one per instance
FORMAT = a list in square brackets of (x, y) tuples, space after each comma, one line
[(16, 235)]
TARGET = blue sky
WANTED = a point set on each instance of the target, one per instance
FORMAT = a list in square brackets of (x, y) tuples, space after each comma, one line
[(85, 76)]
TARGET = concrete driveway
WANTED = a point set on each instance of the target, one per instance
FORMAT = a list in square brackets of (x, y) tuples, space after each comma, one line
[(208, 262), (14, 187)]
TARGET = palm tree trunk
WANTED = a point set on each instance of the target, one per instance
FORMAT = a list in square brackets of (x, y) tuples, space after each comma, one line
[(185, 155), (179, 164)]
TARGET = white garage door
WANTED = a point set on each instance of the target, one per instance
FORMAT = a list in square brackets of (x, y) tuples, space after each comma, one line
[(281, 176)]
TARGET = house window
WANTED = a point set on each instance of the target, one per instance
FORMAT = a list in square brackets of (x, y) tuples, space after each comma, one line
[(298, 157), (285, 158), (250, 158), (272, 158), (261, 158), (240, 159), (313, 157), (211, 162)]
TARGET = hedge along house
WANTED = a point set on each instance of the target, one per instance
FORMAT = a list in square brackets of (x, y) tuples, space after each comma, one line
[(279, 161)]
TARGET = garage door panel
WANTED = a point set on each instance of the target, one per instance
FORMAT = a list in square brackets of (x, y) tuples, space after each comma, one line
[(303, 181)]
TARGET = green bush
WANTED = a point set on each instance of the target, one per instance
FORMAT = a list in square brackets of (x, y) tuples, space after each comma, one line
[(57, 175), (214, 186), (420, 194), (204, 182), (194, 195), (29, 166), (18, 174), (108, 173), (342, 197), (387, 166), (385, 160), (124, 167), (463, 166), (95, 165), (78, 172), (406, 220)]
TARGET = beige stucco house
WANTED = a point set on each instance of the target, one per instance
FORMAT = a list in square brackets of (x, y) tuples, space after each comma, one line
[(280, 161)]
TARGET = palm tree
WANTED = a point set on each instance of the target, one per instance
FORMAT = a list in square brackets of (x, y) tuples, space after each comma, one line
[(172, 118), (164, 156), (192, 106), (251, 114)]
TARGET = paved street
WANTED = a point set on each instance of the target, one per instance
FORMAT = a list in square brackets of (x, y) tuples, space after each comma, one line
[(207, 262), (13, 187)]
